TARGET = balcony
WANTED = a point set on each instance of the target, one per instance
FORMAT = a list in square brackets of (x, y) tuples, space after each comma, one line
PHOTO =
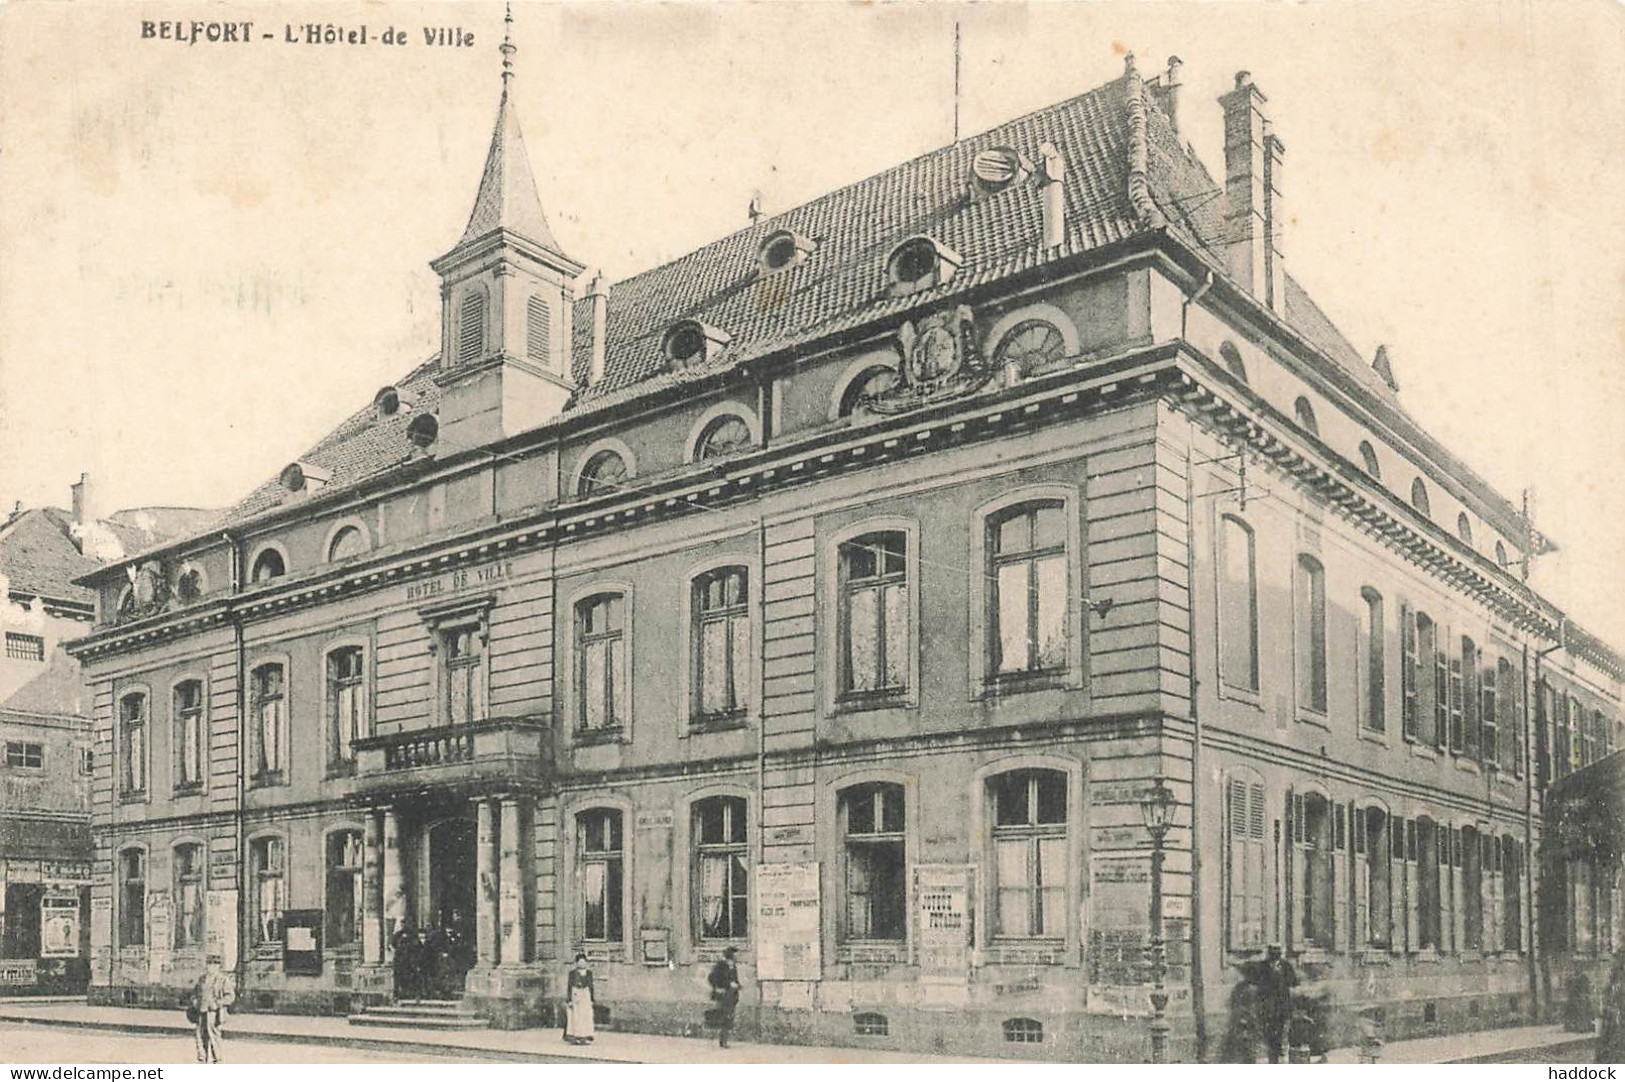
[(484, 753)]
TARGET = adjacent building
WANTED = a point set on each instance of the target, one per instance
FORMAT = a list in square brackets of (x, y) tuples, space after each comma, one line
[(840, 593), (46, 753)]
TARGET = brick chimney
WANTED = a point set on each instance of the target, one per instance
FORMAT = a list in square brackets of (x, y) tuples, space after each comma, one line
[(1252, 193), (598, 293), (84, 507)]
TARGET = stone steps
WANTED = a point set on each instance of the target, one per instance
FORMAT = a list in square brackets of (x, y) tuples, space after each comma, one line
[(447, 1014)]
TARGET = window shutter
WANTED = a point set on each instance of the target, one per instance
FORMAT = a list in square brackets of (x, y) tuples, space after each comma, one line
[(1289, 917), (538, 330), (1253, 937), (1408, 671), (1413, 894), (1339, 864), (1235, 862), (1360, 881), (471, 329), (1399, 888)]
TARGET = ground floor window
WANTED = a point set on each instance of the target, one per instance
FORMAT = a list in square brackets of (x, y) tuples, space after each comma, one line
[(344, 894), (269, 889)]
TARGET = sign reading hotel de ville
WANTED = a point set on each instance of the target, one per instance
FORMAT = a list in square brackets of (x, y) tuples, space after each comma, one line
[(787, 910), (462, 579)]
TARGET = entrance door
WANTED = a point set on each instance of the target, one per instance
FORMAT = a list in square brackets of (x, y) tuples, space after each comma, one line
[(452, 879)]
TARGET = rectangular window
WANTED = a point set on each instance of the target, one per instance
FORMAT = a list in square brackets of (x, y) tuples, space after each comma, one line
[(1028, 575), (1029, 854), (874, 614), (1429, 857), (1245, 861), (1313, 871), (188, 875), (344, 895), (601, 679), (25, 753), (1458, 729), (721, 647), (1309, 628), (1512, 880), (1374, 687), (463, 700), (1238, 607), (876, 881), (190, 735), (1470, 871), (133, 729), (268, 882), (24, 647), (132, 908), (1374, 844), (87, 762), (270, 714), (346, 705), (1441, 691), (599, 870), (721, 872)]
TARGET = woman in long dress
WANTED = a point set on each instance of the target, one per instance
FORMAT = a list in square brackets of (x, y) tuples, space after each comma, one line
[(578, 1002)]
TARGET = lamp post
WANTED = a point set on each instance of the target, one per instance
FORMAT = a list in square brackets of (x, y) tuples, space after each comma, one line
[(1157, 809)]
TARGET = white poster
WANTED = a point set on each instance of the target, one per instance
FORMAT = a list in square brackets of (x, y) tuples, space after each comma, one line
[(220, 926), (788, 922), (943, 900)]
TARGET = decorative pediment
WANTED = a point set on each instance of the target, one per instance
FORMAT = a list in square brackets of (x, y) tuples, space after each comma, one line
[(940, 359)]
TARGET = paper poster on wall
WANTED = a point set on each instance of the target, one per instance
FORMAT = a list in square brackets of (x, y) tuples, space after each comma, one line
[(943, 894), (302, 942), (1119, 932), (788, 922), (160, 933), (101, 940), (220, 926), (59, 923)]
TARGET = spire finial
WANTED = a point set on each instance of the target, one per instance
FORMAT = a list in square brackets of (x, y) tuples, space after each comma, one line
[(508, 48)]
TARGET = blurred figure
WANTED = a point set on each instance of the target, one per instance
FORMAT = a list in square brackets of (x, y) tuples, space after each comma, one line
[(1276, 980), (1611, 1042)]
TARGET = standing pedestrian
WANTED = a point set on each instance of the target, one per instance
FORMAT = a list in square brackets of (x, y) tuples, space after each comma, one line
[(211, 995), (724, 981), (1611, 1041), (1276, 980), (401, 949), (580, 998)]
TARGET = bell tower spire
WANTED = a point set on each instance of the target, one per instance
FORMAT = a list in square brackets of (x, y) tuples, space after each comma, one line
[(507, 290)]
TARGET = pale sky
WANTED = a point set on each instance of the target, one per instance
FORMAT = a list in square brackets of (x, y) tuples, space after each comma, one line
[(211, 253)]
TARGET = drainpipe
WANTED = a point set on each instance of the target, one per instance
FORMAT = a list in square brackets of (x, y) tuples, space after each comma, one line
[(1197, 998), (240, 654), (1536, 958)]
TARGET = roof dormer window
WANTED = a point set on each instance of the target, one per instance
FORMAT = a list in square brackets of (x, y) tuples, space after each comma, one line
[(690, 342), (783, 249), (304, 477), (997, 168), (920, 263)]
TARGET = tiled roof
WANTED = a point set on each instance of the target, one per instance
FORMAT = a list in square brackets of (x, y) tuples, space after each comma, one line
[(57, 690), (38, 555), (507, 197), (843, 283)]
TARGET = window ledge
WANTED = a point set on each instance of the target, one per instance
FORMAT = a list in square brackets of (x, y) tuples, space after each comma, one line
[(1375, 954), (1313, 955), (1015, 683), (1375, 736), (606, 735), (268, 779), (870, 701), (1318, 719), (711, 949), (344, 768), (1250, 696), (1466, 765), (137, 797), (193, 789), (1422, 751), (720, 723), (873, 952), (1025, 952)]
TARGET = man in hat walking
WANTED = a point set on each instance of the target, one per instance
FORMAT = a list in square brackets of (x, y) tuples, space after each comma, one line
[(1276, 980), (211, 995)]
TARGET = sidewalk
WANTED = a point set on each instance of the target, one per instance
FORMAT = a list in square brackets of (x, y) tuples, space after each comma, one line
[(492, 1045), (1468, 1047), (534, 1045)]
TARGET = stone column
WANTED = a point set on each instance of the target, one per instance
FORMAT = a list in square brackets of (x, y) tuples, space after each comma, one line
[(485, 890), (374, 935), (394, 883), (512, 907)]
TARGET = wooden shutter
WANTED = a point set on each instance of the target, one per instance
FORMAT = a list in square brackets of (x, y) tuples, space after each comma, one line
[(1253, 910), (1408, 675), (1398, 886), (1235, 863), (1338, 866), (1413, 888), (1360, 881), (1289, 915)]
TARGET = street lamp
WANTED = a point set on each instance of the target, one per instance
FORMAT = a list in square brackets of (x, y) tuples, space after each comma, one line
[(1157, 809)]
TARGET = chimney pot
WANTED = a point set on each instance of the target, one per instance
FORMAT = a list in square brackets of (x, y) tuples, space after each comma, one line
[(1243, 78), (1253, 211), (1171, 88), (1052, 173), (84, 508), (598, 293)]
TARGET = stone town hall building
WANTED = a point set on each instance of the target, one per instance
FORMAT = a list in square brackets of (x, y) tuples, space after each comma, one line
[(836, 593)]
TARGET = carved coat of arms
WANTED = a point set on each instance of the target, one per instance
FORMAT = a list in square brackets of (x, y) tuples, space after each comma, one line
[(939, 358)]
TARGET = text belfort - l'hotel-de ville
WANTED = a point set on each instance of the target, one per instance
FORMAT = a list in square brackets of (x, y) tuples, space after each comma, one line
[(202, 32)]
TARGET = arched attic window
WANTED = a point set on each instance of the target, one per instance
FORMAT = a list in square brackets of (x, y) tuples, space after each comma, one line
[(1464, 527), (1231, 356), (268, 566), (1368, 458), (1305, 413), (1419, 496)]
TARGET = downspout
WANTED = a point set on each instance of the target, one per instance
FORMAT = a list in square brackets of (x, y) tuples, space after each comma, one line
[(1198, 1006), (240, 655), (1535, 957)]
